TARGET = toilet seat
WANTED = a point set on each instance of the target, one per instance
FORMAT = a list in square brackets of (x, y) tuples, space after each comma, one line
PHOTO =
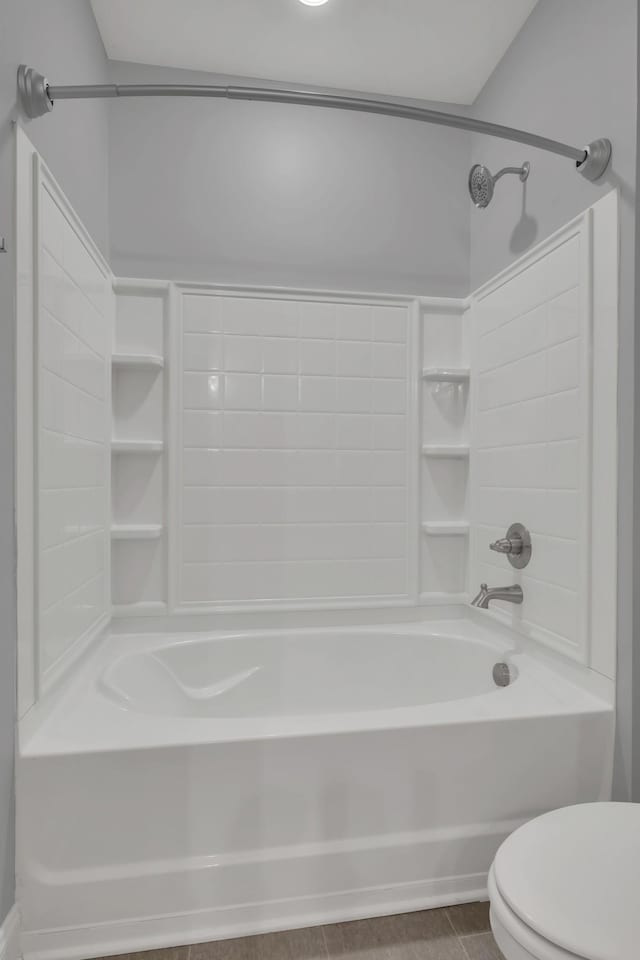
[(566, 886), (517, 940)]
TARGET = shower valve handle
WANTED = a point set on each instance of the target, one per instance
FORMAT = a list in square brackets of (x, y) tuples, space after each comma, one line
[(516, 546), (504, 545)]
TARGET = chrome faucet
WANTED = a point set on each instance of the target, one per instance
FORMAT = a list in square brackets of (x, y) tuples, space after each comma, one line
[(512, 594)]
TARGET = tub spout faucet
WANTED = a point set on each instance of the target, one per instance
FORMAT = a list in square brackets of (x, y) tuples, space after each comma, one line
[(512, 594)]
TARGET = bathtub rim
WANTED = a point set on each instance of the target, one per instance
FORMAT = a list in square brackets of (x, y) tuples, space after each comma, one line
[(548, 684)]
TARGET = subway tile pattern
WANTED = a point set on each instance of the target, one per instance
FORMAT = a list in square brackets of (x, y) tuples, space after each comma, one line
[(74, 329), (294, 450), (533, 387)]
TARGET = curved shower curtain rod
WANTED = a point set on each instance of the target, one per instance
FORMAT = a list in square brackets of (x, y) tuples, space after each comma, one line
[(37, 97)]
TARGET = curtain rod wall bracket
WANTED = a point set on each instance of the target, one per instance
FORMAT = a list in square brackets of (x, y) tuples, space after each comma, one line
[(33, 91), (598, 158), (37, 97)]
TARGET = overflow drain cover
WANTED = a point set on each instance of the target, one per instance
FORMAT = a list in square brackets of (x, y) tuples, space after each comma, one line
[(501, 675)]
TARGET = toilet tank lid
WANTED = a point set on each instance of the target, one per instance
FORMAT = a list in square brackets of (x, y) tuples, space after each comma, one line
[(573, 876)]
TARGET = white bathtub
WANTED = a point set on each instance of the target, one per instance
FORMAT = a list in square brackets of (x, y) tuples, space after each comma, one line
[(185, 789)]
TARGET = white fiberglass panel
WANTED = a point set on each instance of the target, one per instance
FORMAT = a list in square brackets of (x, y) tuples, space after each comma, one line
[(531, 456), (296, 427), (73, 333)]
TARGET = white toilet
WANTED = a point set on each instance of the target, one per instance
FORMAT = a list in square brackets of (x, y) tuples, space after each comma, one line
[(566, 886)]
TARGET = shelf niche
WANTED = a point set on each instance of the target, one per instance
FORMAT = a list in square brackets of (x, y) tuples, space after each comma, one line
[(446, 451), (137, 361), (446, 374), (138, 466)]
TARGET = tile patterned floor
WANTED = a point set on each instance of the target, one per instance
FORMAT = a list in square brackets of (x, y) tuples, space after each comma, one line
[(450, 933)]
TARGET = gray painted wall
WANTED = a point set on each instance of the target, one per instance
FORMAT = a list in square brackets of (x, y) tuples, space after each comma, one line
[(60, 39), (635, 672), (284, 195), (547, 83)]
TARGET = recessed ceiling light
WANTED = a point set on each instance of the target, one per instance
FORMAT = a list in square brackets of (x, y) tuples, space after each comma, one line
[(313, 3)]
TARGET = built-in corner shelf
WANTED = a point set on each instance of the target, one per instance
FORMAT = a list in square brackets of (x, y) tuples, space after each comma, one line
[(142, 608), (446, 528), (446, 374), (446, 451), (143, 331), (137, 446), (136, 531), (137, 361)]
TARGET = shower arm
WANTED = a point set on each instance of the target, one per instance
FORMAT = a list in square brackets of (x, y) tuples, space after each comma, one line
[(37, 97), (520, 171)]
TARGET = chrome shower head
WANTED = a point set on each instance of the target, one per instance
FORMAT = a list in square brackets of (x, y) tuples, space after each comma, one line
[(481, 185), (482, 182)]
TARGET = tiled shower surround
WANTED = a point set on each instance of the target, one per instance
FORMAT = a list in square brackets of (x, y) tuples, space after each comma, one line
[(273, 442), (294, 450), (532, 434), (296, 477), (74, 319), (311, 450), (321, 450)]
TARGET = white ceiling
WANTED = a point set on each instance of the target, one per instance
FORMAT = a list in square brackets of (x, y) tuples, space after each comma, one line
[(432, 49)]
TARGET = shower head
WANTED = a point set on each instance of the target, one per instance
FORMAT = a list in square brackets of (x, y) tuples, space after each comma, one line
[(482, 182)]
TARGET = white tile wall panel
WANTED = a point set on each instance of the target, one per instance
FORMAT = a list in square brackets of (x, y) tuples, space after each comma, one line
[(69, 513), (73, 342), (248, 543), (69, 410), (354, 359), (531, 428), (234, 582), (72, 616), (280, 355), (280, 392), (354, 396), (204, 352), (389, 360), (66, 566), (355, 431), (388, 504), (323, 358), (293, 477), (389, 396), (317, 320), (320, 394), (64, 301), (68, 358), (215, 505), (388, 325), (354, 322), (202, 428), (64, 457)]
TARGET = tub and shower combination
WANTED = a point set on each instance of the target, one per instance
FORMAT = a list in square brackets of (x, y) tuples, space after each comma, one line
[(252, 692)]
